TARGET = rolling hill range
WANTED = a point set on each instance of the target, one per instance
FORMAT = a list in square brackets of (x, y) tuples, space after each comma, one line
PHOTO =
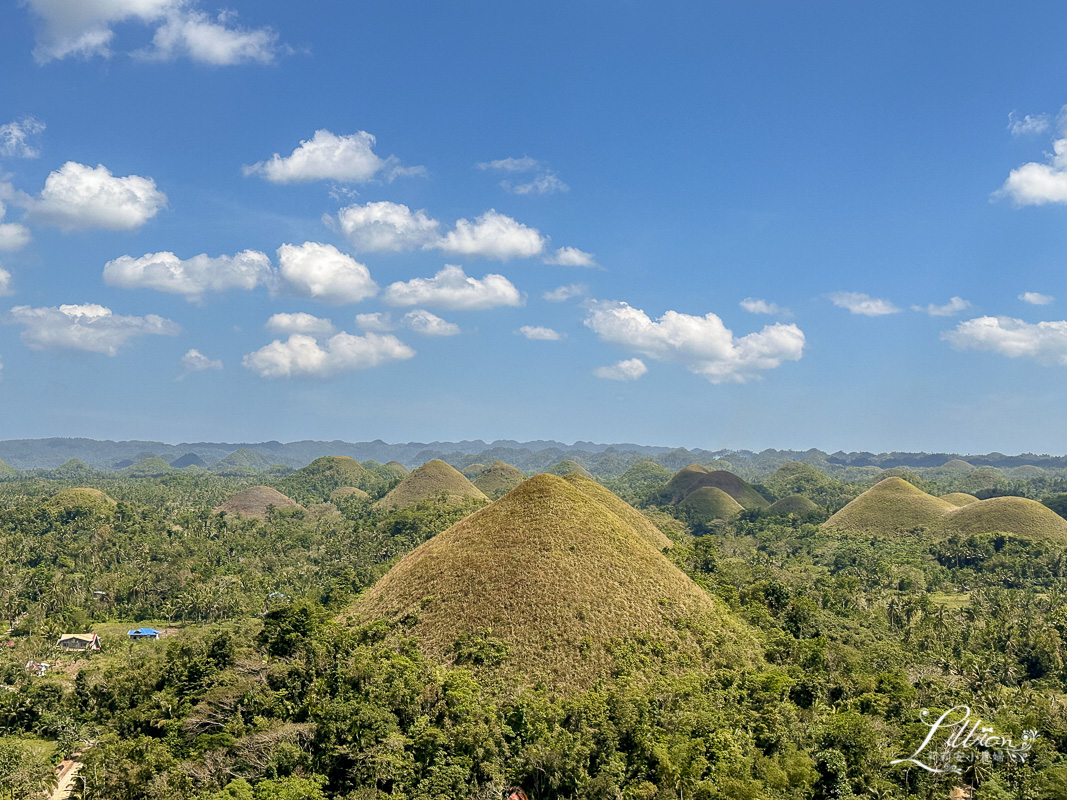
[(894, 507), (546, 584)]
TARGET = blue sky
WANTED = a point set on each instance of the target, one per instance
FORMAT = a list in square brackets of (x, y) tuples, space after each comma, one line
[(835, 225)]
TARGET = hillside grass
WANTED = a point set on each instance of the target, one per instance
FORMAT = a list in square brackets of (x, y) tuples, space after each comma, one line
[(433, 479)]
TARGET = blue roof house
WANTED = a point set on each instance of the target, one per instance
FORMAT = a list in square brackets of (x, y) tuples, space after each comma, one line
[(144, 633)]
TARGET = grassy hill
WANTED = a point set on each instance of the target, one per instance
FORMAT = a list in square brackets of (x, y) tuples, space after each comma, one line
[(959, 498), (152, 467), (72, 470), (433, 479), (188, 460), (566, 467), (548, 585), (959, 465), (794, 504), (254, 502), (1016, 515), (472, 471), (242, 462), (315, 482), (738, 488), (92, 499), (498, 479), (348, 493), (706, 504), (890, 506), (623, 510), (682, 482)]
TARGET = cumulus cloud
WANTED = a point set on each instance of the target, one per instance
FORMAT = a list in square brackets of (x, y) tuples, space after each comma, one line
[(545, 182), (1037, 183), (195, 361), (539, 334), (424, 323), (89, 327), (492, 235), (954, 306), (571, 257), (1036, 298), (300, 323), (628, 370), (19, 138), (863, 304), (195, 35), (5, 283), (324, 273), (193, 277), (384, 226), (452, 288), (1044, 342), (563, 293), (303, 356), (85, 28), (327, 156), (77, 196), (703, 344), (12, 235), (754, 305), (1030, 124), (377, 321)]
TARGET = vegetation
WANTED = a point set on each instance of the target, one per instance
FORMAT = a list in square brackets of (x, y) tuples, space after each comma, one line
[(433, 479)]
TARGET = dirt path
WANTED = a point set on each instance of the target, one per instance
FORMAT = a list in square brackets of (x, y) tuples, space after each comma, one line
[(68, 776)]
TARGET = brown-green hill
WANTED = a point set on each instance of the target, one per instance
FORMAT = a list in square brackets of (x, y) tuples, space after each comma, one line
[(242, 462), (566, 467), (315, 482), (472, 471), (682, 482), (708, 503), (348, 493), (6, 470), (548, 585), (433, 479), (890, 506), (959, 498), (255, 502), (73, 469), (151, 467), (795, 505), (620, 508), (84, 498), (1016, 515), (738, 488), (498, 479), (958, 464)]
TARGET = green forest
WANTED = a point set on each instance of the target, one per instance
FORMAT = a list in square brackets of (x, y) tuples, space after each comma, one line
[(641, 634)]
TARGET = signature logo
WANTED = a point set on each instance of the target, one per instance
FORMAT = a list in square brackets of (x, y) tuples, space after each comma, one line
[(964, 740)]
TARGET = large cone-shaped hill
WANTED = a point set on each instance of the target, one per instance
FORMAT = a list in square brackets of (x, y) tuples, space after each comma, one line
[(1016, 515), (433, 479), (694, 477), (498, 479), (242, 462), (620, 508), (709, 503), (889, 506), (555, 580), (566, 467), (81, 498), (794, 504), (682, 482), (959, 498), (315, 482), (254, 502)]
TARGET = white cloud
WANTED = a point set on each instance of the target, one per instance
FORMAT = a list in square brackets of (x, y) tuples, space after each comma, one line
[(327, 156), (755, 305), (549, 183), (382, 226), (571, 257), (524, 164), (76, 196), (195, 361), (492, 235), (539, 334), (193, 277), (1030, 124), (378, 321), (5, 283), (18, 139), (84, 28), (304, 357), (954, 306), (194, 34), (427, 324), (563, 293), (629, 370), (452, 288), (703, 344), (1036, 298), (1037, 183), (1044, 342), (12, 235), (300, 323), (322, 272), (863, 304), (89, 327)]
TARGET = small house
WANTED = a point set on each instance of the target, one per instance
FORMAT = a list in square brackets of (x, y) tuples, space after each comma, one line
[(79, 641), (38, 668), (144, 633)]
